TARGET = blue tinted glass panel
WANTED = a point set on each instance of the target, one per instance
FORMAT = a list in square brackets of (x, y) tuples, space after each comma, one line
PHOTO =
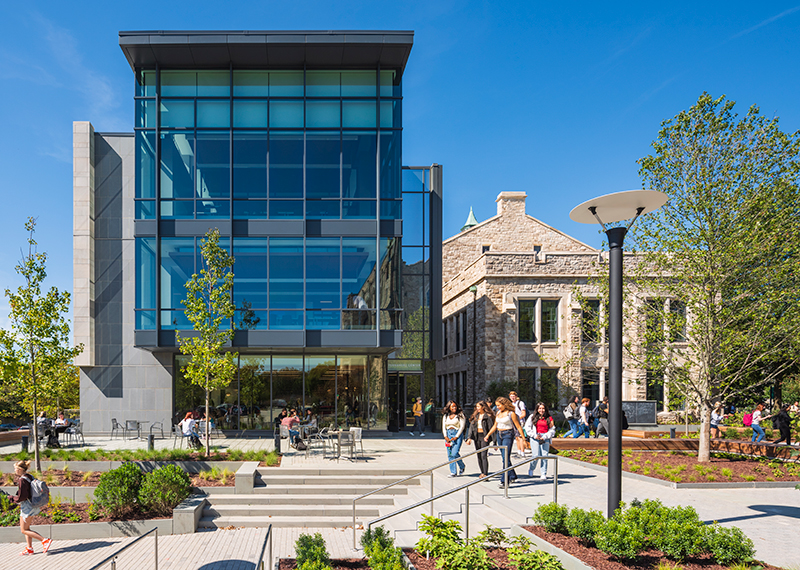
[(177, 209), (390, 274), (322, 273), (213, 209), (391, 164), (387, 82), (413, 180), (412, 218), (177, 165), (322, 84), (213, 160), (145, 164), (358, 164), (146, 83), (286, 273), (286, 165), (177, 114), (213, 83), (322, 114), (322, 165), (175, 320), (359, 83), (177, 267), (250, 114), (250, 209), (391, 209), (251, 320), (359, 114), (250, 84), (250, 273), (358, 209), (286, 209), (387, 114), (322, 209), (146, 273), (145, 114), (286, 320), (285, 114), (358, 272), (323, 320), (199, 263), (145, 209), (213, 114), (286, 84), (145, 320), (250, 165), (178, 84)]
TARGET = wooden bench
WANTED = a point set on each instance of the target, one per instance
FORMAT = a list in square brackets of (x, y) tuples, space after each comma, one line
[(12, 436)]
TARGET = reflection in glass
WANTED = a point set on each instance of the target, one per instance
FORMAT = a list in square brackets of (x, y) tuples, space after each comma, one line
[(254, 388), (146, 114), (213, 209), (353, 398), (250, 209), (320, 386), (177, 114), (322, 320), (250, 273), (322, 165), (146, 83), (145, 272), (322, 209), (286, 84), (413, 212), (177, 209), (250, 83), (213, 114), (387, 83), (145, 209), (390, 273), (391, 167), (358, 83), (322, 84), (358, 209), (358, 272), (322, 273), (213, 160), (250, 165), (178, 83), (358, 164), (322, 114), (177, 165), (285, 320), (250, 114), (286, 165), (287, 383), (286, 209), (177, 267), (359, 114), (145, 164), (286, 275), (391, 209), (285, 114), (213, 84)]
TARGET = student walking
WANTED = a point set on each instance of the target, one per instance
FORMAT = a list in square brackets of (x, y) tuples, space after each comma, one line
[(541, 429), (571, 415), (717, 417), (602, 411), (522, 413), (453, 430), (26, 508), (480, 423), (584, 419), (784, 421), (417, 410), (505, 422), (758, 432)]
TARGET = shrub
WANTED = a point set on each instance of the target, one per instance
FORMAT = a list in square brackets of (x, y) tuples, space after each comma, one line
[(536, 560), (375, 538), (163, 489), (386, 558), (552, 517), (728, 545), (311, 549), (584, 524), (469, 556), (443, 537), (620, 539), (118, 490), (492, 536), (680, 540), (314, 565)]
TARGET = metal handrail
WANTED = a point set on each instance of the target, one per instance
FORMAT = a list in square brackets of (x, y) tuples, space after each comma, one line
[(260, 563), (113, 557), (429, 470), (466, 487)]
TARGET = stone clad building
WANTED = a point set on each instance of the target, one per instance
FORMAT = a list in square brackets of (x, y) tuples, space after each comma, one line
[(511, 311)]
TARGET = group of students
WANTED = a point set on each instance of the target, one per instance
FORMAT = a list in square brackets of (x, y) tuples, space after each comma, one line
[(508, 421), (781, 420), (582, 421)]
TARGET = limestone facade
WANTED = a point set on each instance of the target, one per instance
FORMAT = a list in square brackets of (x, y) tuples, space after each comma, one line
[(490, 271)]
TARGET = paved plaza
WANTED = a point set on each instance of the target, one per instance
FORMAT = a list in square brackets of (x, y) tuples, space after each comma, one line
[(770, 517)]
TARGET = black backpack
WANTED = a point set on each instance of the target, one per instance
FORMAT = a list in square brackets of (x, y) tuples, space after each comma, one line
[(300, 445)]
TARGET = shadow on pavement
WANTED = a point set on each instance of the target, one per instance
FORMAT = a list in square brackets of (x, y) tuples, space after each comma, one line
[(229, 564), (766, 511), (82, 547)]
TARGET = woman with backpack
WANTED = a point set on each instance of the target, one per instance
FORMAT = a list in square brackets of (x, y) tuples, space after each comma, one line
[(540, 428), (24, 498), (755, 423), (571, 415)]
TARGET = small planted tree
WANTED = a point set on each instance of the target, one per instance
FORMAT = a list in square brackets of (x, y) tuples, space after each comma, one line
[(35, 350), (210, 309)]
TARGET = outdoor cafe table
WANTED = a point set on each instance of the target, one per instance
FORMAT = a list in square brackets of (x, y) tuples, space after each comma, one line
[(343, 436)]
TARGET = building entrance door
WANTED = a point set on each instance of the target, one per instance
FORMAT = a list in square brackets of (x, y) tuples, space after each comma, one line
[(403, 390)]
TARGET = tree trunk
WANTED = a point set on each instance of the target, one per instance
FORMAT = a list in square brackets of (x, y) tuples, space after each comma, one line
[(208, 420), (704, 449), (37, 459)]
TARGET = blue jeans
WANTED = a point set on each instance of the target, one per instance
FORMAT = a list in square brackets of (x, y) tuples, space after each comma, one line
[(506, 439), (453, 451), (418, 424), (573, 428), (583, 430), (539, 449), (758, 432)]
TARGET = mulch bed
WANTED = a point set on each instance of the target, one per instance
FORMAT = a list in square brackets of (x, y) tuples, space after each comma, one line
[(599, 560), (498, 555), (683, 467), (61, 478), (336, 564), (82, 510)]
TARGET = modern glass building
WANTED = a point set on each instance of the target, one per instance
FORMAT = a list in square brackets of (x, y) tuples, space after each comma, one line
[(289, 143)]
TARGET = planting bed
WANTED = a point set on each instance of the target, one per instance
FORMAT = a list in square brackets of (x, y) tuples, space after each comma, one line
[(66, 478), (648, 560), (497, 555), (336, 564), (265, 458), (683, 467)]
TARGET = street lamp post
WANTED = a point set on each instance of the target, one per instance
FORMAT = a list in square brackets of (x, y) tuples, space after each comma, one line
[(615, 208), (474, 291)]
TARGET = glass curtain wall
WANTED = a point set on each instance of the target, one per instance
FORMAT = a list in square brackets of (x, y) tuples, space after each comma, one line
[(337, 389)]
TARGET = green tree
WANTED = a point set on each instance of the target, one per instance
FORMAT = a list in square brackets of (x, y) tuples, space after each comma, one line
[(209, 307), (726, 246), (35, 351)]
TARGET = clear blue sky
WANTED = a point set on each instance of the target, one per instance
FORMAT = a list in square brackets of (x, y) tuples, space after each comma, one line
[(556, 99)]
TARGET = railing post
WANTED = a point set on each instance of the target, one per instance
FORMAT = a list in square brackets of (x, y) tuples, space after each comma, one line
[(466, 526), (113, 564), (354, 525), (270, 546), (156, 548), (431, 493), (555, 482)]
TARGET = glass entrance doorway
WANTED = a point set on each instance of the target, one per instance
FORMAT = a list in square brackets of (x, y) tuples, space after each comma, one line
[(404, 389)]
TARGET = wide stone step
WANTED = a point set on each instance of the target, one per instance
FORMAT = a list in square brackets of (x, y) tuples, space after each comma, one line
[(326, 490), (337, 472), (301, 511), (298, 499), (277, 521), (355, 480)]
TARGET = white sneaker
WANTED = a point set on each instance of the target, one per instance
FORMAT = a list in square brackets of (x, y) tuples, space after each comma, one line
[(452, 475), (422, 435), (461, 471), (542, 476), (411, 433)]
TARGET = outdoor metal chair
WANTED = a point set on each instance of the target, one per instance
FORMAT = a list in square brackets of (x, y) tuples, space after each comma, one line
[(133, 425), (116, 426), (73, 433), (177, 434), (344, 439), (357, 439), (157, 426)]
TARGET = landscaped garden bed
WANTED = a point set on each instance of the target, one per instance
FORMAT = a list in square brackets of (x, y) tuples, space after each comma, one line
[(265, 458), (214, 477), (644, 536), (683, 467)]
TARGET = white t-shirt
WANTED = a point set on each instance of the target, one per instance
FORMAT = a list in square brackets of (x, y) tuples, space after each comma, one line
[(187, 426), (520, 409), (583, 415), (756, 418)]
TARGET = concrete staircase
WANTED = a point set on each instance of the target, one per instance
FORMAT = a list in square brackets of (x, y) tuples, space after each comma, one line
[(308, 497)]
